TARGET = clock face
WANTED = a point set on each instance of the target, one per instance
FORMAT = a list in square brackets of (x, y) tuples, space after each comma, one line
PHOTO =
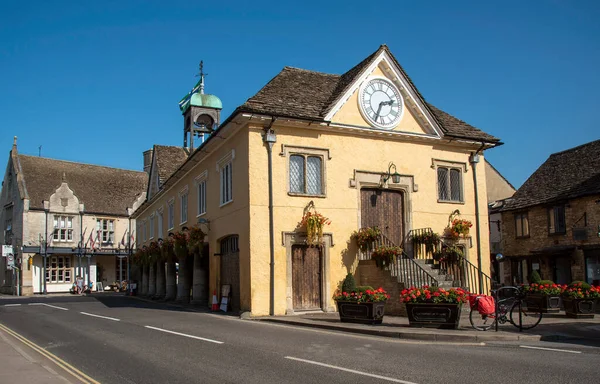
[(381, 103)]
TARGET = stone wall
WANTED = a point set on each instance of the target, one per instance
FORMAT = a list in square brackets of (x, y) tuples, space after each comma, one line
[(369, 274), (582, 213)]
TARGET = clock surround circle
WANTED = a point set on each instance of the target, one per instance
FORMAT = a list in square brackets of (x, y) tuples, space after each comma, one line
[(380, 102)]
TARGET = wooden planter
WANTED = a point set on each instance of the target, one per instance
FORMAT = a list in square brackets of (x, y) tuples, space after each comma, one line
[(362, 313), (429, 315), (579, 308), (547, 303)]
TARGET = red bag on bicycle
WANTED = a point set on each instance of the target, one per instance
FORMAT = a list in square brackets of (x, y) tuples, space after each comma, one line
[(486, 305)]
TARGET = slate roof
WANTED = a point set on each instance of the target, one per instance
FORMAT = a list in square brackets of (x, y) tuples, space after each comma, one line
[(304, 94), (102, 189), (565, 175), (168, 159)]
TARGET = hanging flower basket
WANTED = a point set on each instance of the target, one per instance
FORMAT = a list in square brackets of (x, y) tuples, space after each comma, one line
[(166, 250), (180, 240), (385, 256), (314, 223), (430, 240), (195, 240), (457, 227), (365, 237)]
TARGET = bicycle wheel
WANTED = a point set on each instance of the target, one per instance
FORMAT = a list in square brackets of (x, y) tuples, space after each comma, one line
[(531, 314), (481, 322)]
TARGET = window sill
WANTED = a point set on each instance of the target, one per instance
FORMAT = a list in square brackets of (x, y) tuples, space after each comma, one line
[(183, 222), (451, 202), (226, 203), (306, 195), (201, 214), (557, 233), (522, 237)]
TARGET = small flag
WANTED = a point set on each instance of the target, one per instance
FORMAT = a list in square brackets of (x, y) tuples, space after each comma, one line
[(123, 239), (132, 240), (90, 241)]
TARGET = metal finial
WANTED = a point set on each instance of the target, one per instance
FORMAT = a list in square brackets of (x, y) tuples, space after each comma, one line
[(202, 74)]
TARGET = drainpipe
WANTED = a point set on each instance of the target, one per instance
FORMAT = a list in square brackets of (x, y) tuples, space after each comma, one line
[(474, 160), (129, 250), (46, 210), (270, 138)]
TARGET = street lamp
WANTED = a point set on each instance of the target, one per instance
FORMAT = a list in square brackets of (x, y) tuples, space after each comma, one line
[(46, 204), (394, 176)]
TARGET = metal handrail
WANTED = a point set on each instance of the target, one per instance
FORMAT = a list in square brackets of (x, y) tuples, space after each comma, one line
[(411, 271), (467, 274)]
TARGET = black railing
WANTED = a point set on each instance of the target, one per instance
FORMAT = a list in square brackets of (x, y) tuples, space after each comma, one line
[(407, 270), (465, 274)]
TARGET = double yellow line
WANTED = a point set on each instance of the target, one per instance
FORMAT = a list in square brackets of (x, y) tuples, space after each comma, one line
[(55, 359)]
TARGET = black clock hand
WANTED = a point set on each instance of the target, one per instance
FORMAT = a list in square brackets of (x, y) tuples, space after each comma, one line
[(379, 110)]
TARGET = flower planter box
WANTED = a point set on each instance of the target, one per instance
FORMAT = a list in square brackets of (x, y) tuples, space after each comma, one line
[(429, 315), (547, 303), (362, 313), (579, 308)]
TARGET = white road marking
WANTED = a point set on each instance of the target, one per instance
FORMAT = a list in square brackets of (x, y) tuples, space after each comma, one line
[(549, 349), (35, 304), (185, 335), (351, 370), (54, 306), (102, 317), (11, 305)]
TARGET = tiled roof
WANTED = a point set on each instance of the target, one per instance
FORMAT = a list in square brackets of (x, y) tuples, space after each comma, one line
[(565, 175), (299, 93), (102, 189), (168, 159)]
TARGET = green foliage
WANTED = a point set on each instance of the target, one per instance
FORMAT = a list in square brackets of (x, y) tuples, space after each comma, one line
[(535, 277), (580, 284), (546, 282), (349, 284), (364, 288)]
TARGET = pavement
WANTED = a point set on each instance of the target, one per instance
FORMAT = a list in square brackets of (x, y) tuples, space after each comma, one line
[(553, 327), (19, 363)]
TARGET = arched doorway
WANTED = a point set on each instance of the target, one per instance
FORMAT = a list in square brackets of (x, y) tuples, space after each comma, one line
[(383, 208), (230, 269)]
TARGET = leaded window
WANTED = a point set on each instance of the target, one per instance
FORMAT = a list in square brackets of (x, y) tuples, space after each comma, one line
[(306, 174), (556, 219), (63, 228), (449, 184), (106, 230)]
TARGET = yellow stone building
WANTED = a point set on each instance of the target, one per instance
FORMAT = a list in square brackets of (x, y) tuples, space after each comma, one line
[(363, 149)]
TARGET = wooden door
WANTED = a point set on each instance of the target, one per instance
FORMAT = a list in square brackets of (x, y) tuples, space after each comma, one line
[(306, 277), (230, 270), (383, 208)]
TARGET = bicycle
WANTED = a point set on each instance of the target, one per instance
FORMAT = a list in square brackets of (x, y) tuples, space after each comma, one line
[(513, 308)]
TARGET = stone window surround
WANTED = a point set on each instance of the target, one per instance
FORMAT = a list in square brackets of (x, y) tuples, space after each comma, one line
[(323, 153), (202, 178), (171, 213), (183, 213), (223, 162), (299, 238), (437, 163)]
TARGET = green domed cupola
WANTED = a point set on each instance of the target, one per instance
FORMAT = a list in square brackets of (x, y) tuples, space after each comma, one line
[(201, 113)]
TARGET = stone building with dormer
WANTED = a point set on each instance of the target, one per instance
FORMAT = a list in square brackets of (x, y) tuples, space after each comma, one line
[(66, 219)]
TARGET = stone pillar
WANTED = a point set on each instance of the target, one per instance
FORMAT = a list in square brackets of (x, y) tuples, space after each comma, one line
[(160, 279), (152, 279), (200, 281), (183, 279), (144, 287), (171, 280)]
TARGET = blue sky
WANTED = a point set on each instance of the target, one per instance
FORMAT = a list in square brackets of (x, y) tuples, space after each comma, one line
[(99, 82)]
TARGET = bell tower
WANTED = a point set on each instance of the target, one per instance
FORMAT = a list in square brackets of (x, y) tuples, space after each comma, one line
[(201, 114)]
